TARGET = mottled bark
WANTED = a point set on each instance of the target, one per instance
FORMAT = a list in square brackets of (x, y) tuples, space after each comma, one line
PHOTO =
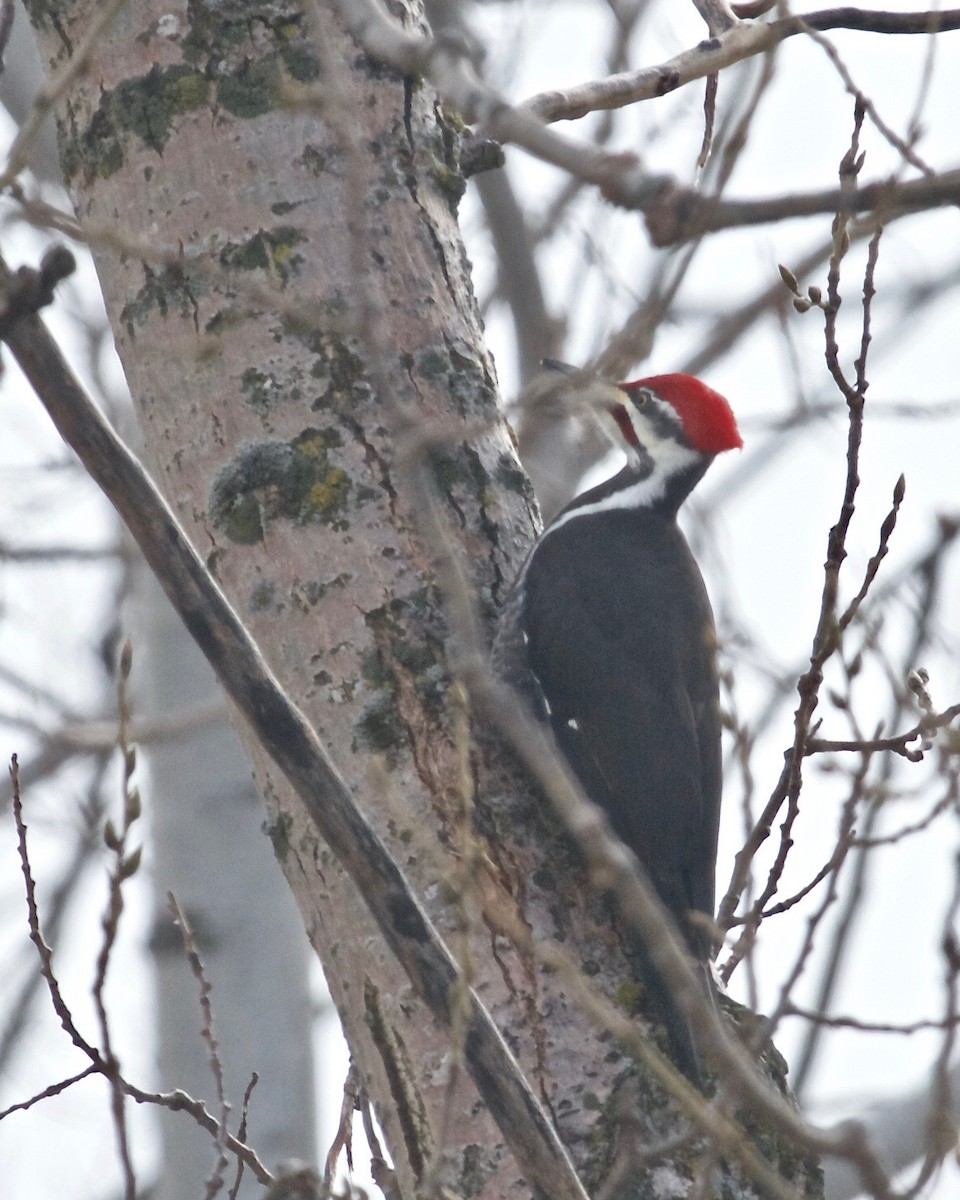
[(216, 208)]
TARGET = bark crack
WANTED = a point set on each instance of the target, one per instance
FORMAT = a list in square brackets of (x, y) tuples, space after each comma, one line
[(426, 742), (512, 881), (377, 462), (411, 182)]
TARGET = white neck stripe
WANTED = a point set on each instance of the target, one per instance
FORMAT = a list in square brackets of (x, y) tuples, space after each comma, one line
[(669, 459)]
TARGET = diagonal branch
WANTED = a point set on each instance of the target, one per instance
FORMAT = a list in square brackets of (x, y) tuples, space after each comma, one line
[(296, 750), (740, 41)]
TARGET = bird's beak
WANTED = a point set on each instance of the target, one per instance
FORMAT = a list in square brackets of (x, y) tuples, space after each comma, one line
[(554, 364), (588, 390)]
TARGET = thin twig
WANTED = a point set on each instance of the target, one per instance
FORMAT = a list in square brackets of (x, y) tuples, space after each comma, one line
[(925, 576), (827, 634), (20, 1007), (125, 865), (242, 1131), (53, 1089), (898, 744), (215, 1181), (861, 1026), (36, 933), (343, 1138)]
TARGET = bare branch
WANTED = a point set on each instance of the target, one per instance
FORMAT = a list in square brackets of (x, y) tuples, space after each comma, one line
[(53, 1089), (896, 744), (53, 556), (614, 868), (36, 933), (180, 1101), (20, 1009), (676, 214), (860, 1026), (737, 43), (717, 15), (242, 1132)]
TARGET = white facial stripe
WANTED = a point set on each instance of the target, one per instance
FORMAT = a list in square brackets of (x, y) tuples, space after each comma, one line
[(640, 418), (668, 456)]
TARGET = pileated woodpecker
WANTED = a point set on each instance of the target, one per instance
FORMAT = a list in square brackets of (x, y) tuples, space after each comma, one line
[(609, 636)]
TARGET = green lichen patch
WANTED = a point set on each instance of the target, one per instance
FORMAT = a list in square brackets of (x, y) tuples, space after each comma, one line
[(299, 57), (264, 391), (454, 365), (278, 828), (144, 108), (275, 480), (631, 997), (475, 1170), (337, 371), (792, 1164), (252, 89), (263, 598), (259, 389), (450, 182), (433, 364), (254, 86), (634, 1091), (443, 150), (380, 729), (405, 646), (219, 32), (317, 442), (165, 291), (225, 319), (316, 161), (265, 250), (456, 470), (310, 593), (511, 475), (374, 668), (215, 31), (407, 654)]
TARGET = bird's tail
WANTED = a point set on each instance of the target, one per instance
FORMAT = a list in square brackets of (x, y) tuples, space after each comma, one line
[(664, 1009)]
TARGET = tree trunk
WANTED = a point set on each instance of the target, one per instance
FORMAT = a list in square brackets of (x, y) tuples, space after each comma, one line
[(290, 298)]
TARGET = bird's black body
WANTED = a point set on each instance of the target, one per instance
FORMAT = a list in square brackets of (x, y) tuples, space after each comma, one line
[(629, 680), (609, 636)]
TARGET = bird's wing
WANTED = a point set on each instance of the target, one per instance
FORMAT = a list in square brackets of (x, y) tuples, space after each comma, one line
[(634, 707)]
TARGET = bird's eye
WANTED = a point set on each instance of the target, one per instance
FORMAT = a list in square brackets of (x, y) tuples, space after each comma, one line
[(641, 396)]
